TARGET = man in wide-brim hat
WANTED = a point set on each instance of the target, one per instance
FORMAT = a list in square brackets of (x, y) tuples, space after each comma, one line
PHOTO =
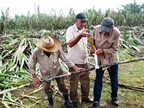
[(47, 55)]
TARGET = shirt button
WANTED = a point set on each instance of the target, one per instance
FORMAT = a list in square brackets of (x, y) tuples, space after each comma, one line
[(54, 67)]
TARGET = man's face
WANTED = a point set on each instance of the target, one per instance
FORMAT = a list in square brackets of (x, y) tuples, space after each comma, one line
[(80, 24), (105, 33)]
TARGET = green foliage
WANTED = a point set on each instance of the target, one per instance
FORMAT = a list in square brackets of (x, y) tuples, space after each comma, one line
[(131, 15), (133, 8), (131, 40)]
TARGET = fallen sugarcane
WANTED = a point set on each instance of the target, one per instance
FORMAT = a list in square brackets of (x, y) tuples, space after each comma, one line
[(141, 89), (65, 75), (125, 85)]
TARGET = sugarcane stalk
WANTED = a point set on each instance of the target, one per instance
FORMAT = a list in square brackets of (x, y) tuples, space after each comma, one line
[(127, 86), (29, 84), (65, 75), (141, 89), (123, 62), (30, 36), (14, 104), (132, 87)]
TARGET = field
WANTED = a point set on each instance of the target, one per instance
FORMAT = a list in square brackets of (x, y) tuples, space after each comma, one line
[(19, 35), (129, 74)]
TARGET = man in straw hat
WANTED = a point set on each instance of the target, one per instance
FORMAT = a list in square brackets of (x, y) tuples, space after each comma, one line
[(76, 37), (106, 41), (47, 55)]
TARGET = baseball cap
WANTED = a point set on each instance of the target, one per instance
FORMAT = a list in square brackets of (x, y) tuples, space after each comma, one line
[(107, 24), (81, 16)]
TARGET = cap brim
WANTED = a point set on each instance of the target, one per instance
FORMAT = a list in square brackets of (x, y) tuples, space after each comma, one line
[(84, 19), (105, 28), (53, 49)]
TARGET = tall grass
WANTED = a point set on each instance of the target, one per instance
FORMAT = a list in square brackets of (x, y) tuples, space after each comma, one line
[(52, 21)]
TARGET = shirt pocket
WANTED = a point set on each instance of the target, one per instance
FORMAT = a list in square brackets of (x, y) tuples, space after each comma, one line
[(55, 61), (43, 66), (97, 42), (108, 44)]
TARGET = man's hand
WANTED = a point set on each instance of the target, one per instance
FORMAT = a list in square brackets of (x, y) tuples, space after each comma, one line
[(99, 51), (84, 33), (74, 41), (78, 69), (35, 79), (82, 73), (92, 51)]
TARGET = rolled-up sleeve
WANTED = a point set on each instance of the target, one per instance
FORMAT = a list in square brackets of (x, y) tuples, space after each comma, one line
[(64, 59), (32, 63), (69, 35)]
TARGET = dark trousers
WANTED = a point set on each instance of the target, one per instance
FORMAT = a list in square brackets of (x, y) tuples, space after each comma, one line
[(113, 72), (60, 84), (84, 82)]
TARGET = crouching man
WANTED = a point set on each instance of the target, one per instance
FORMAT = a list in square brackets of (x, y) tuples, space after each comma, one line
[(47, 55)]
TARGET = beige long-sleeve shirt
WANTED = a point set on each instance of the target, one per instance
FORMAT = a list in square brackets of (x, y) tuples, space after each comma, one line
[(109, 44), (49, 66)]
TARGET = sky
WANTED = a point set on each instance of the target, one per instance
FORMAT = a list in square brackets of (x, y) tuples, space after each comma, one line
[(21, 7)]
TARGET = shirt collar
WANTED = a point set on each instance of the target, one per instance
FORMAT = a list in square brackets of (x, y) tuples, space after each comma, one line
[(42, 53), (75, 27)]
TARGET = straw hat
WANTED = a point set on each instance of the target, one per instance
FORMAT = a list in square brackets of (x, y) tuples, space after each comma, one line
[(49, 44)]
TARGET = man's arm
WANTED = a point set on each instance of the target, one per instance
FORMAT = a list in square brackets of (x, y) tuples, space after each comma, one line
[(32, 66), (35, 79), (74, 41), (113, 48), (67, 62), (109, 51)]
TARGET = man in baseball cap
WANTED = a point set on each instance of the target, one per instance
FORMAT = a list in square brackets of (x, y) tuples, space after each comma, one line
[(106, 40), (76, 38)]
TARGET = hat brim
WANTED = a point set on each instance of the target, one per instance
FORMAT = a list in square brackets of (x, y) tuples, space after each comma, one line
[(105, 28), (53, 49)]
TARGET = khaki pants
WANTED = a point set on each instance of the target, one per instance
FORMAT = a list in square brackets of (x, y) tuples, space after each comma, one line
[(60, 83), (84, 81)]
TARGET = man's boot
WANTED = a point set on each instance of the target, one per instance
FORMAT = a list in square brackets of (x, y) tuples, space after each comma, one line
[(115, 101), (50, 99), (68, 104), (76, 104), (95, 104)]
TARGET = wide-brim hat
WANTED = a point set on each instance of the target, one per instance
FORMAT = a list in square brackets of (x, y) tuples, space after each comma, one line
[(49, 44)]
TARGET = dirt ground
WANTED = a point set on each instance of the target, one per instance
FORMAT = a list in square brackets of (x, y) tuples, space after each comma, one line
[(129, 74)]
